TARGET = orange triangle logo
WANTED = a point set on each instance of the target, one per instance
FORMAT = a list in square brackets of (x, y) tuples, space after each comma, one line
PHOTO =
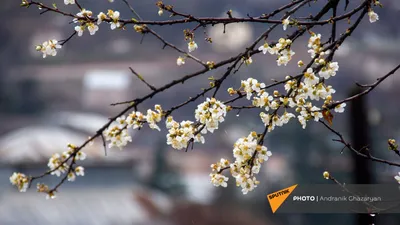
[(277, 198)]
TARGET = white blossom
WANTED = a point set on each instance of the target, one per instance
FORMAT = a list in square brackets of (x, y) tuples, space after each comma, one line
[(340, 108), (263, 101), (264, 48), (80, 155), (67, 2), (310, 78), (248, 61), (329, 70), (264, 154), (80, 171), (92, 28), (20, 180), (71, 176), (49, 48), (314, 41), (180, 61), (315, 112), (100, 17), (85, 13), (286, 117), (285, 57), (114, 15), (265, 118), (302, 121), (192, 46), (397, 177), (373, 17), (285, 23), (80, 29)]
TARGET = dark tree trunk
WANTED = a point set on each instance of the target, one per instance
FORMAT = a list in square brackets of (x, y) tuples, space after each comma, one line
[(359, 131)]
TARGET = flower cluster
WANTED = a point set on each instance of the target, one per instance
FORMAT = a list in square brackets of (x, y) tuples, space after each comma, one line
[(393, 145), (119, 136), (219, 180), (249, 156), (250, 85), (43, 188), (135, 120), (282, 49), (299, 93), (315, 46), (20, 180), (329, 70), (58, 163), (112, 16), (208, 116), (180, 134), (273, 120), (49, 48), (152, 118), (210, 113), (85, 21)]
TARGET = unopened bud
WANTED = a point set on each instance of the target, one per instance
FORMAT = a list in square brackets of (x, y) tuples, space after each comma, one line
[(392, 145), (210, 64), (231, 91), (326, 175), (300, 63)]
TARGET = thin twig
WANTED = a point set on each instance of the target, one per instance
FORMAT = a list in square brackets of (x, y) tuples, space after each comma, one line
[(142, 79)]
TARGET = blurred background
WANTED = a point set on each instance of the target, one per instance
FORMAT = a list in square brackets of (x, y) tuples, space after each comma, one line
[(47, 103)]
